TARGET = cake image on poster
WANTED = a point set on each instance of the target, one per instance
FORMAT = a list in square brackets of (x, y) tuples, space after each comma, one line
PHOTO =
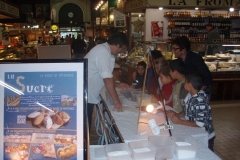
[(68, 100), (48, 119), (16, 151), (44, 150), (12, 101), (67, 151)]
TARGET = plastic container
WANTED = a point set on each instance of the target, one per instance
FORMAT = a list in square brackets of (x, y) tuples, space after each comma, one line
[(118, 151), (164, 146), (146, 99), (126, 93), (100, 153), (135, 93), (185, 147), (142, 150)]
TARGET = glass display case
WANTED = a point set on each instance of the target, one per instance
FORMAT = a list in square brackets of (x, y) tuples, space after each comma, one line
[(224, 66), (225, 58), (136, 55)]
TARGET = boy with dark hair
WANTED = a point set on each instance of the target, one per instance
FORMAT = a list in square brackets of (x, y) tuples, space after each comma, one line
[(138, 77), (197, 112), (177, 72)]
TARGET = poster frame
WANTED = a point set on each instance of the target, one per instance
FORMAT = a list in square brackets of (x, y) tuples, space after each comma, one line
[(55, 65)]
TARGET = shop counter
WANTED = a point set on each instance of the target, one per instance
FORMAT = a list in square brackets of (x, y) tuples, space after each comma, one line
[(225, 85), (127, 124), (202, 153), (54, 52)]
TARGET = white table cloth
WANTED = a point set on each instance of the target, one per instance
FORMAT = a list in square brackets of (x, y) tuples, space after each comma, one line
[(127, 123)]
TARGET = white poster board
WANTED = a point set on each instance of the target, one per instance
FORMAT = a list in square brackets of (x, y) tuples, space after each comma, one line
[(54, 52), (119, 19), (43, 111)]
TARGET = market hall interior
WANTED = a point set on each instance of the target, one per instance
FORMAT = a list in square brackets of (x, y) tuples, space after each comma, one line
[(225, 118)]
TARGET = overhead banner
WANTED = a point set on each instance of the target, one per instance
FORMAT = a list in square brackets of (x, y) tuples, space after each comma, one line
[(134, 5), (196, 3), (8, 9), (119, 19)]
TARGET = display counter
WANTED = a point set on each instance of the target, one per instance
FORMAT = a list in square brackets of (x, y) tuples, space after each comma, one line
[(18, 51), (226, 84), (54, 52), (126, 123), (224, 66)]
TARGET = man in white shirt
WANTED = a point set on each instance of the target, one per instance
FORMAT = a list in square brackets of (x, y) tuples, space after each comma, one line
[(101, 61)]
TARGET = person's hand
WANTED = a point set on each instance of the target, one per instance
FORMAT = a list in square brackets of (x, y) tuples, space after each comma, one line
[(118, 107), (175, 119), (134, 76), (124, 86), (170, 113), (203, 87)]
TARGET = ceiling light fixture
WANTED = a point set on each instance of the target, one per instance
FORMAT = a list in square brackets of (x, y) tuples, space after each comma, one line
[(231, 9), (231, 45), (99, 5), (160, 8)]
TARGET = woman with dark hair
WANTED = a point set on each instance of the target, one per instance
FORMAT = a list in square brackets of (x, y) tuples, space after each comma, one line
[(193, 62), (152, 76)]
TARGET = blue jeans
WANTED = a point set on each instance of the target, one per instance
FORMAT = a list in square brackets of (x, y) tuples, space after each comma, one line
[(211, 143)]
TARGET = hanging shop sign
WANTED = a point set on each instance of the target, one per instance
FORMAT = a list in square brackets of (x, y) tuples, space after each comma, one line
[(9, 10), (196, 3), (98, 21), (54, 27), (134, 5), (119, 19)]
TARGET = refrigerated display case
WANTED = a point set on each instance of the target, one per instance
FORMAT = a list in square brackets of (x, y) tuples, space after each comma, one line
[(224, 66)]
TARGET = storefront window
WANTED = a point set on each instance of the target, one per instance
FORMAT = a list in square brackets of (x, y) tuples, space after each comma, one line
[(77, 29), (62, 29)]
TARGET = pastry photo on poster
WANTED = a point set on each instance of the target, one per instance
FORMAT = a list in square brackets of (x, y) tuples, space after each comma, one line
[(157, 29), (40, 115)]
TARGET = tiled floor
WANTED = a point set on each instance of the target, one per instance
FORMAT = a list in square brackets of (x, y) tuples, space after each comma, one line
[(226, 117), (227, 128)]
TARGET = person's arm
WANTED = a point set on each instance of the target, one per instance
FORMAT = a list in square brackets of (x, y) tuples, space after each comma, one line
[(134, 76), (203, 69), (112, 91), (177, 120), (180, 114), (171, 113)]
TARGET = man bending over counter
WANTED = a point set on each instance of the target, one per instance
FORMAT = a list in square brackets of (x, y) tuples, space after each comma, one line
[(101, 62)]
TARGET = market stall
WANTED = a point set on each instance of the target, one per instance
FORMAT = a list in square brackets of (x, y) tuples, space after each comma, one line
[(131, 131), (224, 65)]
